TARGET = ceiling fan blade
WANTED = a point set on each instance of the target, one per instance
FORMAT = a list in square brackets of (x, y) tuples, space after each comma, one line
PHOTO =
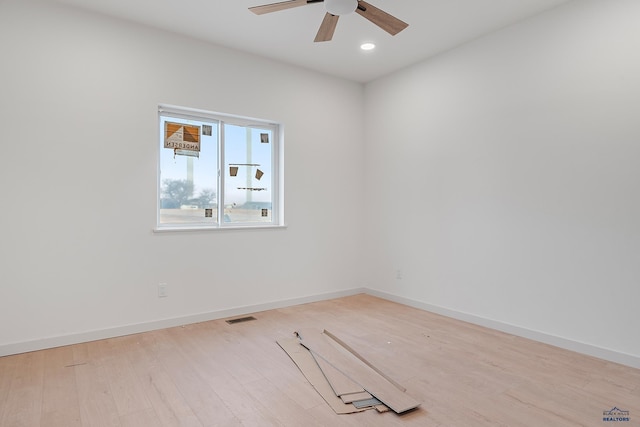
[(327, 28), (382, 19), (275, 7)]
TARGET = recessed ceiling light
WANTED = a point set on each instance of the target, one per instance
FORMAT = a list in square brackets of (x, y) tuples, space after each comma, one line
[(367, 46)]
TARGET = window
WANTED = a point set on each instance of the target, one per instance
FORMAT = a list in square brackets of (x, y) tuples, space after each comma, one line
[(217, 171)]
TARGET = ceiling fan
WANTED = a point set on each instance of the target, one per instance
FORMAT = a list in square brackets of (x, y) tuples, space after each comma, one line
[(336, 8)]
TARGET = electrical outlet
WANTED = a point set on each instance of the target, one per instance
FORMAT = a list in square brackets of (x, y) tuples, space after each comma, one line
[(399, 274), (162, 290)]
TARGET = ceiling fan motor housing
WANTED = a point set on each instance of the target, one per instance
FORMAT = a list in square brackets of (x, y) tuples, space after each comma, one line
[(340, 7)]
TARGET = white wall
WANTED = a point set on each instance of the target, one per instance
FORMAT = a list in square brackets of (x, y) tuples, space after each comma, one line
[(78, 120), (503, 177)]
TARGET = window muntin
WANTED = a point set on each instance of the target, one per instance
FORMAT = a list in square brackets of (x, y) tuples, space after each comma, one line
[(233, 181)]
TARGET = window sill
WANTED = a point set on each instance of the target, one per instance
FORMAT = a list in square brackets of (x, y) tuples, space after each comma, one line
[(191, 229)]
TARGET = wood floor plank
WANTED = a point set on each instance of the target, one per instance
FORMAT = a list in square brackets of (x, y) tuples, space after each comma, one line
[(7, 367), (97, 405), (285, 410), (23, 406), (228, 388), (125, 386), (200, 394), (60, 400), (144, 418), (169, 405)]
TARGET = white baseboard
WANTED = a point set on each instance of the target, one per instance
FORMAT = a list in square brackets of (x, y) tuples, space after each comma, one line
[(59, 341), (579, 347), (567, 344)]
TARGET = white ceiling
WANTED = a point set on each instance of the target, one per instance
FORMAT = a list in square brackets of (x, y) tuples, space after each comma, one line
[(434, 26)]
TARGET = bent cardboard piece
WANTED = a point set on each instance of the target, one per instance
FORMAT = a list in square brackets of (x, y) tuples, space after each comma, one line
[(309, 368), (338, 381), (360, 372)]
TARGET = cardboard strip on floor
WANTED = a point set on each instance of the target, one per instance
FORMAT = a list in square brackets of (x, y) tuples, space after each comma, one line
[(365, 361), (340, 383), (309, 368), (360, 372)]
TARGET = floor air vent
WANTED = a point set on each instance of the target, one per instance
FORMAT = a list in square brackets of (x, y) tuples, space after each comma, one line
[(240, 320)]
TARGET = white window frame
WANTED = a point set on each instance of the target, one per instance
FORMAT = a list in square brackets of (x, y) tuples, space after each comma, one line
[(277, 176)]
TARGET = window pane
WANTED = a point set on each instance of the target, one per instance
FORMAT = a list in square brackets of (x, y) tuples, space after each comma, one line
[(248, 174), (188, 184)]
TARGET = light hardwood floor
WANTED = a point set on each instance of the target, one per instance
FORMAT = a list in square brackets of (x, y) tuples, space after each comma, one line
[(216, 374)]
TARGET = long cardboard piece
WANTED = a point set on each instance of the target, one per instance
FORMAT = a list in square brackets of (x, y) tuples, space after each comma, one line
[(358, 371), (340, 383), (365, 361), (307, 365)]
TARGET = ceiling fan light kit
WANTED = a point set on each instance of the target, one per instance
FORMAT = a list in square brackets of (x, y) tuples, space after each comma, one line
[(336, 8), (341, 7)]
